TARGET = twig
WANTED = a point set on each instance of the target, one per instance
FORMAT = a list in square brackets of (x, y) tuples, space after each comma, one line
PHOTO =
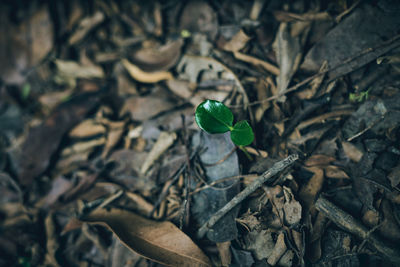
[(348, 223), (307, 80), (275, 169)]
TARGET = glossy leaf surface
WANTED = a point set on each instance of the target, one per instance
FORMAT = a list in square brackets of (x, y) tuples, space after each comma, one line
[(242, 134), (214, 117)]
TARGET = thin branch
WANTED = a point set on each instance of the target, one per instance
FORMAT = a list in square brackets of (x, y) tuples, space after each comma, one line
[(351, 225), (275, 169)]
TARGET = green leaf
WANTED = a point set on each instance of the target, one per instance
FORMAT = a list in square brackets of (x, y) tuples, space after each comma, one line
[(242, 134), (214, 117)]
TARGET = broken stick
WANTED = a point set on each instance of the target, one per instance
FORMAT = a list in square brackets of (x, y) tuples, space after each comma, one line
[(350, 224), (275, 169)]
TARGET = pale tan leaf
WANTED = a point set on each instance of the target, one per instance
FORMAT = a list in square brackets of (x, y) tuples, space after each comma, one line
[(145, 77), (238, 41), (158, 58), (87, 128), (352, 151), (317, 160), (309, 191), (164, 141), (334, 172), (162, 242)]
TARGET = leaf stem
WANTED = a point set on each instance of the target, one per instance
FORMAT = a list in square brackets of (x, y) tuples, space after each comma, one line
[(246, 153)]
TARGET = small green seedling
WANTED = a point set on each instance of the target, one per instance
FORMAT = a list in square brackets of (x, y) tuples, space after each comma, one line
[(214, 117)]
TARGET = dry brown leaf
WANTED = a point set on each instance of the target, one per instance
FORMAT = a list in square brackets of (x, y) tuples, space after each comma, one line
[(394, 176), (23, 46), (288, 51), (257, 62), (332, 171), (322, 118), (87, 128), (69, 71), (390, 229), (225, 253), (145, 77), (115, 131), (291, 208), (195, 69), (238, 41), (278, 251), (162, 242), (318, 160), (315, 84), (309, 191), (85, 26), (352, 151), (146, 107), (164, 141), (180, 88), (160, 58)]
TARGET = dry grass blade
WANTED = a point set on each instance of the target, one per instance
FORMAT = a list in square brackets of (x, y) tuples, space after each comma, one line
[(162, 242)]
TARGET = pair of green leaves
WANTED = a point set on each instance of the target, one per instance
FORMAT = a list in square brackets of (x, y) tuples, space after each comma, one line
[(214, 117)]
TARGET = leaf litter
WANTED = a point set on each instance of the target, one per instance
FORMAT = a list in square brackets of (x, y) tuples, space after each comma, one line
[(97, 125)]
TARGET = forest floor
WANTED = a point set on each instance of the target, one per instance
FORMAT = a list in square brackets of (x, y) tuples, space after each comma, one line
[(103, 164)]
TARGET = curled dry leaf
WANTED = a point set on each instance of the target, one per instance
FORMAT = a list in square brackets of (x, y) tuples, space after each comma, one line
[(69, 71), (195, 68), (332, 171), (278, 251), (145, 77), (238, 41), (160, 58), (309, 191), (87, 128), (198, 16), (352, 151), (25, 45), (162, 242), (288, 50), (85, 26), (146, 107), (164, 141)]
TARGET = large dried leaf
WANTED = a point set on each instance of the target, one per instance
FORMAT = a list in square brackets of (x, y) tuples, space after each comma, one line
[(44, 139), (160, 58), (162, 242), (288, 50), (146, 107), (25, 45), (198, 16), (143, 76)]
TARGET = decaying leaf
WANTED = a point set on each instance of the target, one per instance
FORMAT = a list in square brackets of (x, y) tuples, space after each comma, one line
[(332, 171), (146, 107), (309, 191), (69, 71), (198, 16), (352, 151), (85, 26), (261, 243), (162, 242), (194, 69), (145, 77), (238, 41), (160, 58), (43, 140), (25, 45), (164, 141), (288, 50), (279, 249)]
